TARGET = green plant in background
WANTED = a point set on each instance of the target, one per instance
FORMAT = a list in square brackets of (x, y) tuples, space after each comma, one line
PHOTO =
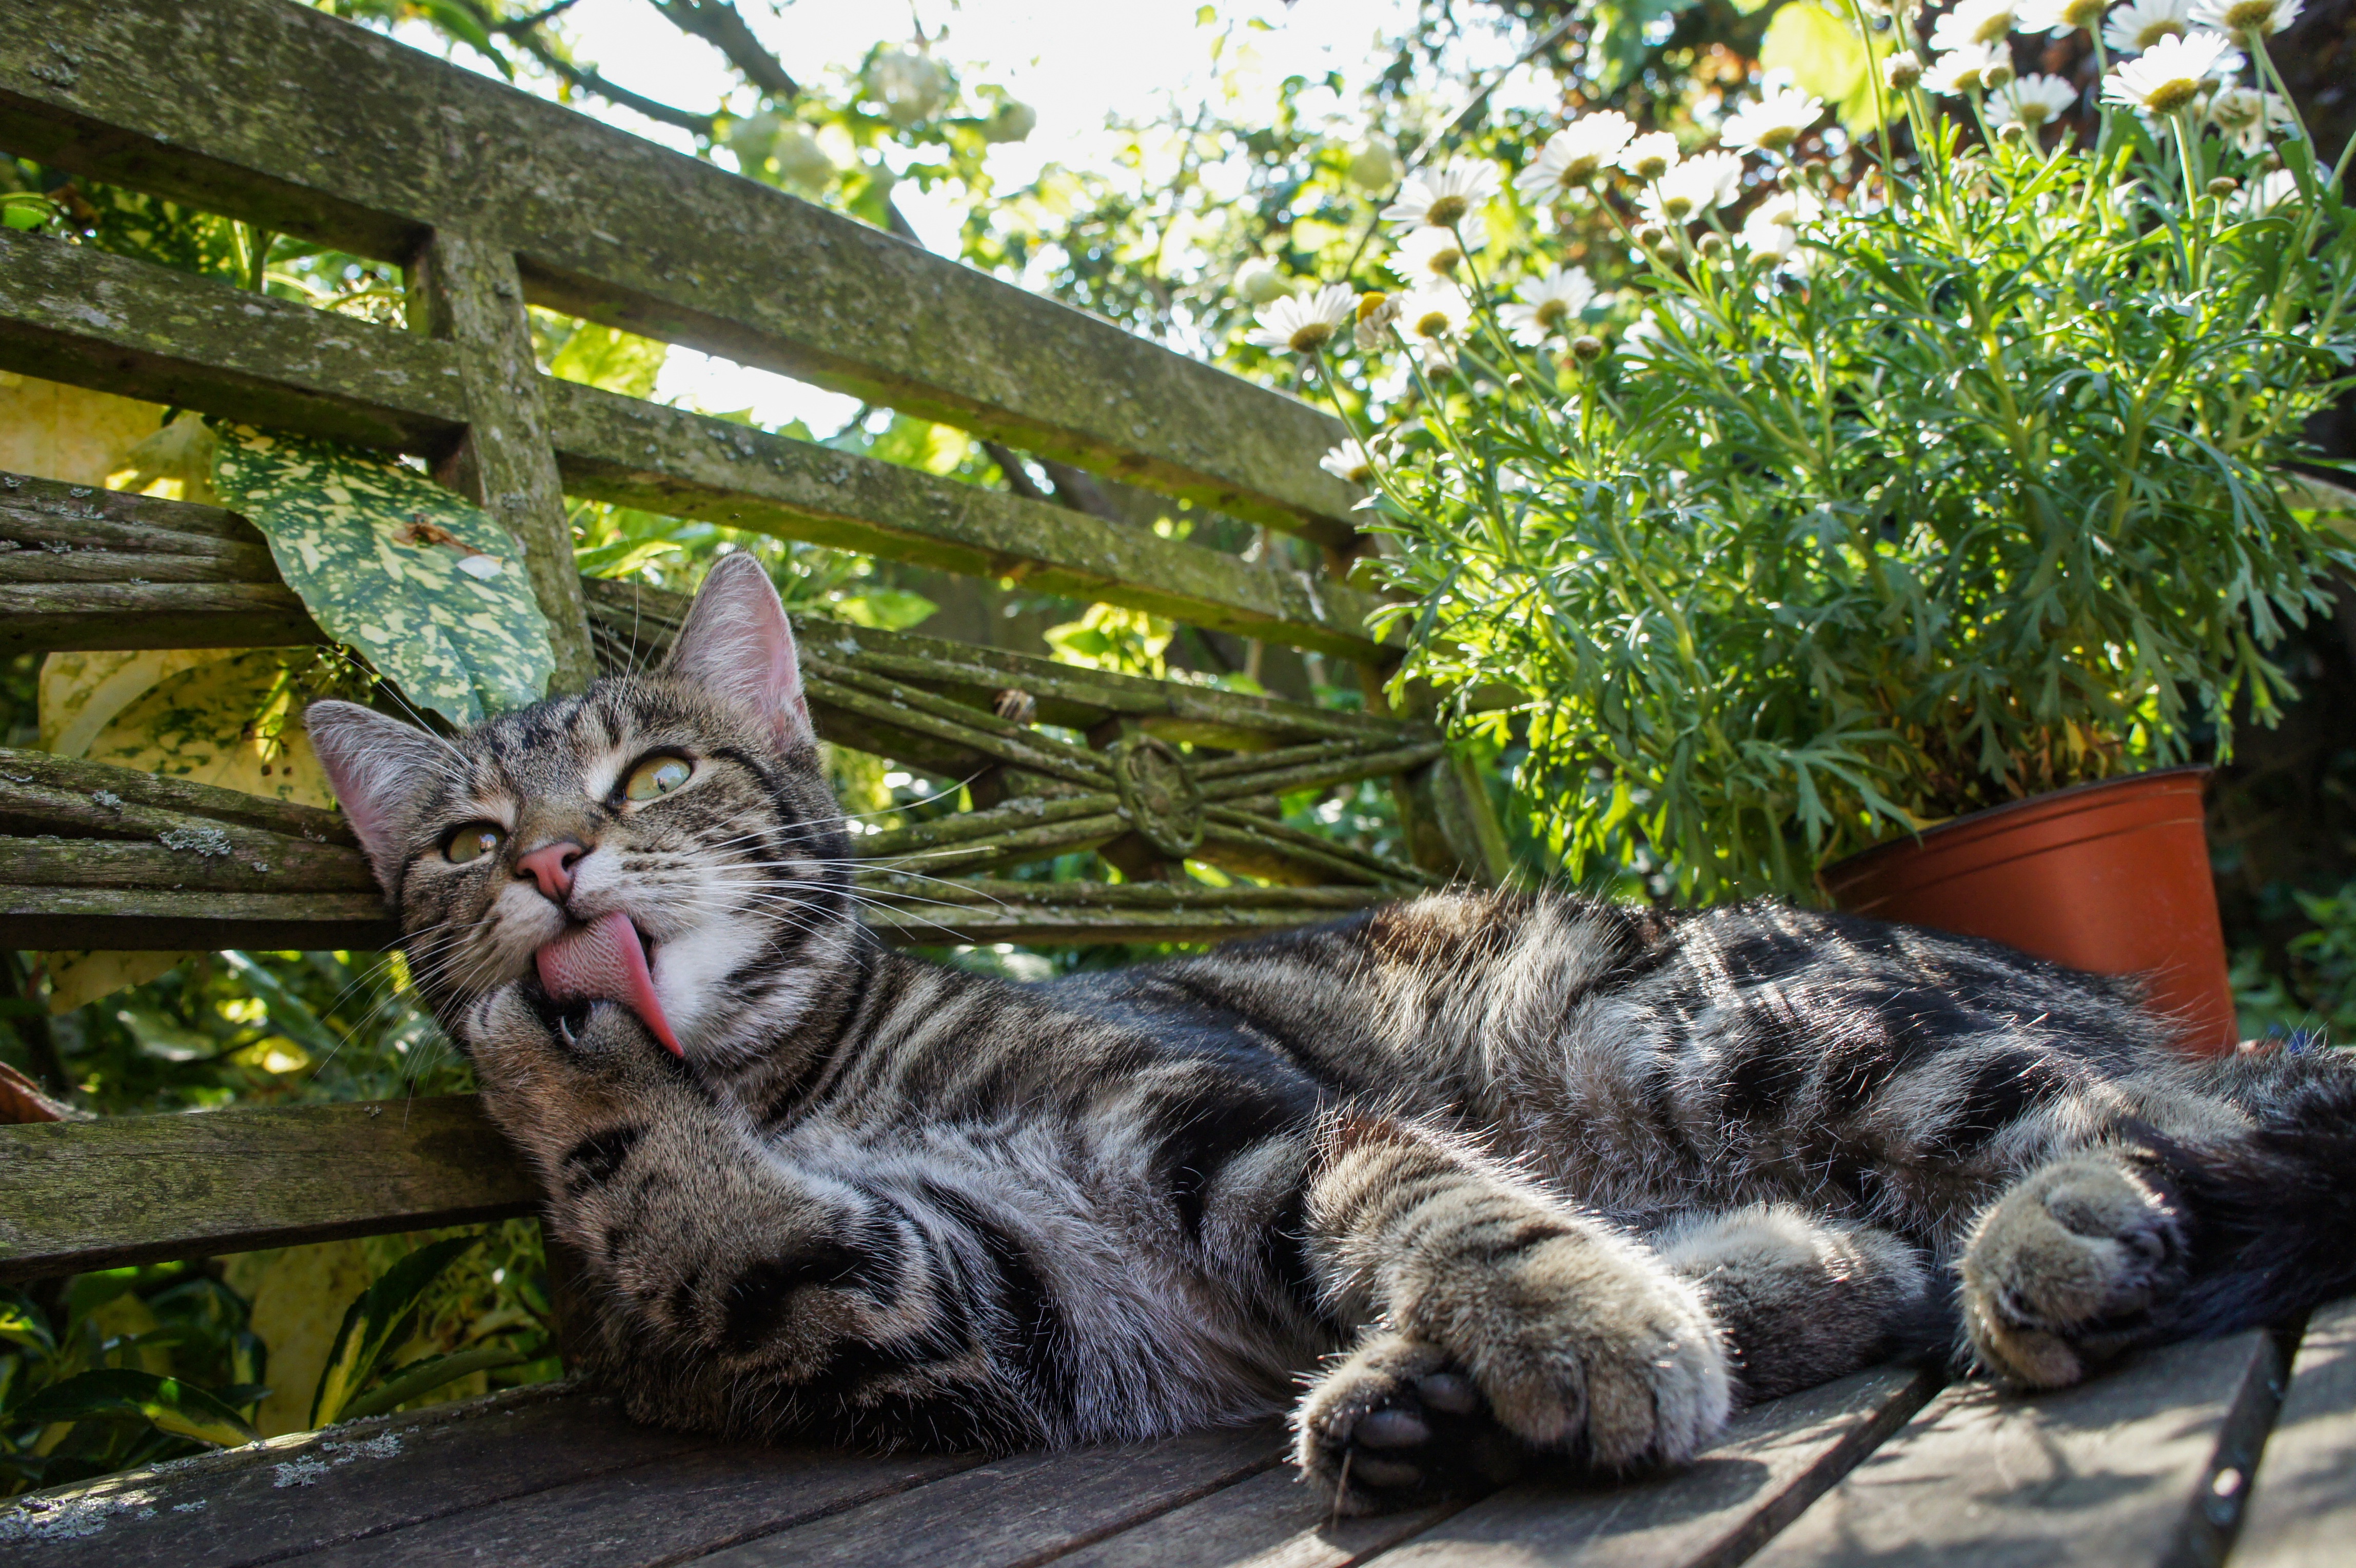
[(1932, 482)]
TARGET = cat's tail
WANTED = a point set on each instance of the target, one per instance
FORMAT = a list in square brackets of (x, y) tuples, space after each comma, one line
[(2270, 1212)]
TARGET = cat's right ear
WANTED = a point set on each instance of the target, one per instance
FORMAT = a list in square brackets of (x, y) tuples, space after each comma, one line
[(380, 767), (738, 646)]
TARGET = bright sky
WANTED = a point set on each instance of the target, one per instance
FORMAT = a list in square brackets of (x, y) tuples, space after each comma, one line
[(1078, 62)]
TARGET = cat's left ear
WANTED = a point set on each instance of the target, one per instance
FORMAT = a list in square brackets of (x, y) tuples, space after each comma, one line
[(738, 645)]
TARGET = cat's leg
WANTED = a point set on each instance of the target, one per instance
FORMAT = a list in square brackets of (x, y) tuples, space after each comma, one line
[(1505, 1324), (736, 1293), (1803, 1299), (2151, 1236)]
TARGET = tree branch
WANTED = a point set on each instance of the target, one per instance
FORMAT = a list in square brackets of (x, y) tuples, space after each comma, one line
[(519, 25), (718, 23), (525, 31)]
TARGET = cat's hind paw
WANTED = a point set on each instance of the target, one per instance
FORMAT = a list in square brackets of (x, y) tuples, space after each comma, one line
[(2067, 1267), (1397, 1420)]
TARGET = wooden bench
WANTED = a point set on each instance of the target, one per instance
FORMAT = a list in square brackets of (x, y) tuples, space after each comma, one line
[(281, 116), (2159, 1465)]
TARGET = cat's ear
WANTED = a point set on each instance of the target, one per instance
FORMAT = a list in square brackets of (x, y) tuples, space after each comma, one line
[(380, 767), (738, 646)]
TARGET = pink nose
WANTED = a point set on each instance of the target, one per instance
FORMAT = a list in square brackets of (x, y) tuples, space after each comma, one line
[(550, 865)]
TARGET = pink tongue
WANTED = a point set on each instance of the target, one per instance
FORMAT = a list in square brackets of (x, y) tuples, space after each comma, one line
[(604, 962)]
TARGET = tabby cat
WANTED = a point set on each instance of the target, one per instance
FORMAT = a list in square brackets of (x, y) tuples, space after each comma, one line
[(1503, 1180)]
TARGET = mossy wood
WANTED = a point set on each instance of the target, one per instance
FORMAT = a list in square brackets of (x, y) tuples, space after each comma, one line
[(68, 313), (363, 144), (127, 1189), (284, 116)]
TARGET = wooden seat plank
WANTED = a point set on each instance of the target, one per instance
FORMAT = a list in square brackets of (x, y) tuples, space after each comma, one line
[(2302, 1509), (126, 1189), (1031, 1507), (668, 1511), (1774, 1459), (2104, 1473), (1270, 1521), (315, 1490)]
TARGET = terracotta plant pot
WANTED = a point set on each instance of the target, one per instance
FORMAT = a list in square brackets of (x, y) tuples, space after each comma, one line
[(2111, 877)]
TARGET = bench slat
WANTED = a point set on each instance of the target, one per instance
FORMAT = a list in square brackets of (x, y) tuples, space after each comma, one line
[(127, 1189), (1269, 1521), (1772, 1462), (1027, 1509), (174, 337), (316, 1492), (364, 143), (2302, 1511), (2104, 1473)]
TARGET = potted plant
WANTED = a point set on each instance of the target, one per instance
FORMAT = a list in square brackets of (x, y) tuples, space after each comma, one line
[(1919, 483)]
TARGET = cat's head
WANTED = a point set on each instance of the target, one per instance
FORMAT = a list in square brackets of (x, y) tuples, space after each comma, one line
[(665, 843)]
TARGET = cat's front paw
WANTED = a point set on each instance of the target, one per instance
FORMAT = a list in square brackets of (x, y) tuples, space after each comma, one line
[(1577, 1347), (2066, 1267), (1396, 1419)]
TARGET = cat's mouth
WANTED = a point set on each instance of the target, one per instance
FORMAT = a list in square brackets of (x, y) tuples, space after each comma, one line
[(608, 960)]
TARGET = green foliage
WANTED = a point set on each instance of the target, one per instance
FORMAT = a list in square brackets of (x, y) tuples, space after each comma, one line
[(380, 1320), (123, 1367), (2315, 990), (429, 588), (1924, 489)]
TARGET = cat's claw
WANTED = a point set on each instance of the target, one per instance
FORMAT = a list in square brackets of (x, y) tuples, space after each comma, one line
[(2067, 1267), (1396, 1422)]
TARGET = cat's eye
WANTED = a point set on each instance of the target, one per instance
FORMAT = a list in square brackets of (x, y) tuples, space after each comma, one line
[(657, 777), (472, 842)]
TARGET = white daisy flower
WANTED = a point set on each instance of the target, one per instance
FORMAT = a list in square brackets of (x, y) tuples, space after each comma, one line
[(1974, 22), (1902, 70), (1428, 255), (2243, 16), (1444, 195), (1375, 311), (2248, 118), (2137, 26), (1434, 312), (1305, 325), (1773, 227), (2058, 18), (1349, 463), (1644, 334), (1704, 181), (1546, 304), (2262, 195), (2169, 75), (1648, 157), (2031, 101), (1772, 124), (1959, 72), (1574, 154)]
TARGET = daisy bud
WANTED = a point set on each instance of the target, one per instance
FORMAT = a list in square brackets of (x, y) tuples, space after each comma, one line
[(1650, 234), (1997, 75), (2012, 133), (2224, 185), (1902, 70), (1710, 245), (1586, 349)]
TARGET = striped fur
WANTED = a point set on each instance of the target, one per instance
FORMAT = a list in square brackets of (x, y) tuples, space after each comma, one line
[(1504, 1179)]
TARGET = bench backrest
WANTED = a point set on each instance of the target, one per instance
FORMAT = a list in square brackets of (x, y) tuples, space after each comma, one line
[(281, 116)]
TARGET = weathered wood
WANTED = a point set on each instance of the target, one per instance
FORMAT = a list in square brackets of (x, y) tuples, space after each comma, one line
[(126, 1189), (234, 861), (1042, 755), (701, 1501), (315, 1492), (154, 919), (2104, 1473), (123, 618), (160, 334), (682, 464), (27, 500), (366, 145), (1774, 1461), (1272, 1521), (2302, 1509), (73, 313), (470, 297), (34, 772), (1027, 1509)]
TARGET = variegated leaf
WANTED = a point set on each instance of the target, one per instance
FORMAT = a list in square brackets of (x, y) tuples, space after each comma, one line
[(431, 588)]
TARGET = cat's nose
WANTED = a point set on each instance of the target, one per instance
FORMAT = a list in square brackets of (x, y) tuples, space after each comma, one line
[(550, 865)]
